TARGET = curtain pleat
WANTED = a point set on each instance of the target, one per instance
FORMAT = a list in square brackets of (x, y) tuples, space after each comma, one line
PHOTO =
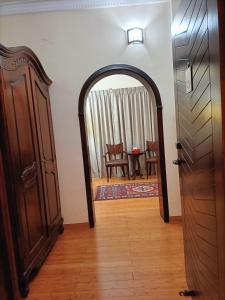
[(114, 116)]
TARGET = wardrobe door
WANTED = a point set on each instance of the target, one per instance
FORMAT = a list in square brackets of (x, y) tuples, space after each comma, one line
[(23, 170), (47, 151)]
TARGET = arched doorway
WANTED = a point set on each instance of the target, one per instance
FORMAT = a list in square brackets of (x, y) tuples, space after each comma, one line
[(150, 86)]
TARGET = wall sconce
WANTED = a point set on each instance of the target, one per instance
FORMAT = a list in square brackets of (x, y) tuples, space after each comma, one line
[(135, 35)]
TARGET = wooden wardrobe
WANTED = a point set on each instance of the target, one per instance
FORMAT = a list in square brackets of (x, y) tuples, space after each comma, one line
[(29, 160)]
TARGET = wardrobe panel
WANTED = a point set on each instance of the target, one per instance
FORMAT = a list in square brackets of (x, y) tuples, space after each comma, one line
[(21, 116), (28, 163), (23, 168), (47, 150), (42, 103), (52, 194), (34, 222)]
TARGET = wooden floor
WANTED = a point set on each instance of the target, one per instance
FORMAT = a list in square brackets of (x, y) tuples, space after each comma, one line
[(130, 255)]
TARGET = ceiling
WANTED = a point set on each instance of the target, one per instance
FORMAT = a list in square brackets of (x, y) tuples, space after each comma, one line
[(22, 1), (10, 7), (89, 2)]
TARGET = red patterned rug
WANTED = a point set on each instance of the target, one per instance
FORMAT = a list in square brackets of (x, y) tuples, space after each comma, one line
[(126, 191)]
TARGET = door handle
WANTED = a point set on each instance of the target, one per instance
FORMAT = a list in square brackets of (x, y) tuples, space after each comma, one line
[(179, 162), (178, 146)]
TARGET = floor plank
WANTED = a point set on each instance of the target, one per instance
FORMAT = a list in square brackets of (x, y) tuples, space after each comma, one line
[(130, 255)]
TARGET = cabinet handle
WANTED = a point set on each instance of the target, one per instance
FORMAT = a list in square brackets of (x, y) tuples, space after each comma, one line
[(29, 172)]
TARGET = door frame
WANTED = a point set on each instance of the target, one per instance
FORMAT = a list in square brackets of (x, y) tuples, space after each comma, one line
[(150, 86)]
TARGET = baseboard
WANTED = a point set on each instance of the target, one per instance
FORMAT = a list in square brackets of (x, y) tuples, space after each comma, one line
[(76, 226), (175, 219)]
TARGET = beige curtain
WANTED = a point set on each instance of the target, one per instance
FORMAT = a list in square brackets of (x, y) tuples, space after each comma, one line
[(114, 116)]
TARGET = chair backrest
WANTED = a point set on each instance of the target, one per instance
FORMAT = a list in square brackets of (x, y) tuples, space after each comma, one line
[(152, 148), (115, 150)]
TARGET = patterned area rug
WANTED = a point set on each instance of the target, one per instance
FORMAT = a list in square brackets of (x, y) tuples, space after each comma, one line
[(127, 191)]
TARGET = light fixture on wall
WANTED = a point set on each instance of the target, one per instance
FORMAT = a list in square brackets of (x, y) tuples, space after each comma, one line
[(135, 35)]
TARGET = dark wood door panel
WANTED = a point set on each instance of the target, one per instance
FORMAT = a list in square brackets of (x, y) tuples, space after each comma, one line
[(206, 221), (24, 185), (203, 118), (204, 163), (197, 113), (201, 55), (205, 192), (204, 147), (203, 133), (195, 34), (200, 79), (203, 231)]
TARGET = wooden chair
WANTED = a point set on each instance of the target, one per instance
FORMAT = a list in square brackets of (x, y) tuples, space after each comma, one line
[(116, 157), (151, 155)]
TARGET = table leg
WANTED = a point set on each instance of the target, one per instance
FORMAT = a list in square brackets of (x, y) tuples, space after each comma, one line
[(136, 166), (133, 167), (139, 168)]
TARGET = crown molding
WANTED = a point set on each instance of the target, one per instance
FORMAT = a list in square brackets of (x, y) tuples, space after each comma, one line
[(35, 6)]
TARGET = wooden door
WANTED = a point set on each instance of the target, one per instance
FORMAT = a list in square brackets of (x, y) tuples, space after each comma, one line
[(199, 124), (22, 169), (47, 151)]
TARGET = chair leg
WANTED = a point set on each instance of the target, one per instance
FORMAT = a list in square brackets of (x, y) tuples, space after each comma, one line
[(123, 171), (155, 169), (107, 171), (150, 169), (128, 172), (110, 172), (147, 169)]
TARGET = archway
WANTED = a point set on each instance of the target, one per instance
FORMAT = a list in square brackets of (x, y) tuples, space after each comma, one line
[(150, 86)]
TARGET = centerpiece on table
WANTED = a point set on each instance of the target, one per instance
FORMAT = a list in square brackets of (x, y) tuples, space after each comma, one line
[(135, 150)]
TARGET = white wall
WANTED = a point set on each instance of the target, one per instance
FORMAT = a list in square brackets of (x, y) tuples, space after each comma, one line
[(175, 5), (116, 82), (73, 45)]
